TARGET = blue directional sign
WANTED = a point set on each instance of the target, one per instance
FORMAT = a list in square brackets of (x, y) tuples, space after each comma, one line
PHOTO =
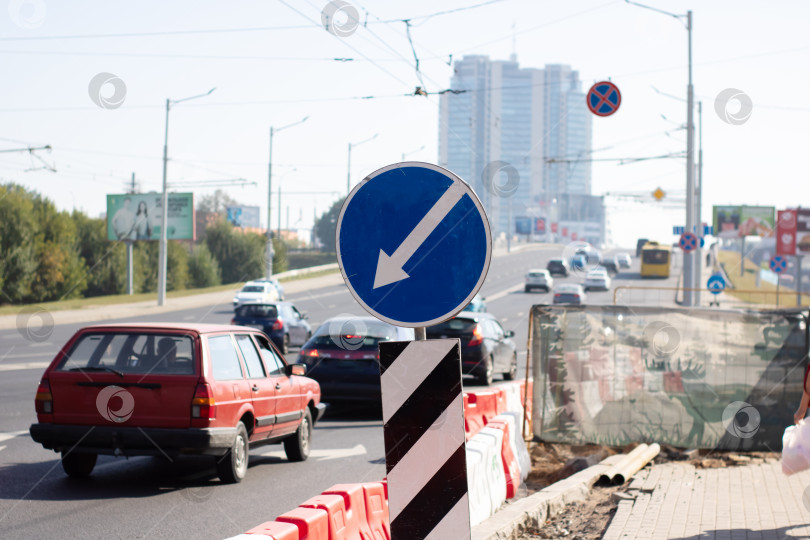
[(716, 284), (413, 244), (688, 242), (778, 264)]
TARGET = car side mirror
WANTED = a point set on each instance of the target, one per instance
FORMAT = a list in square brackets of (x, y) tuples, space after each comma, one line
[(509, 333), (295, 369)]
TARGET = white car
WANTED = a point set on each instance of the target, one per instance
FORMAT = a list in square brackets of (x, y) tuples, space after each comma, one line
[(596, 280), (256, 292), (275, 283), (623, 259), (538, 279), (569, 293)]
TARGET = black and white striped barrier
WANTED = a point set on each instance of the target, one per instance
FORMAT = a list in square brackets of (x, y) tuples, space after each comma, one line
[(425, 459)]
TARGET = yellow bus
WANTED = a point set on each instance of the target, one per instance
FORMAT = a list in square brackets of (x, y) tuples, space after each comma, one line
[(655, 260)]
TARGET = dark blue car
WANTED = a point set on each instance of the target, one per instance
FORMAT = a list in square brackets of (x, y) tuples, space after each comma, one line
[(281, 321)]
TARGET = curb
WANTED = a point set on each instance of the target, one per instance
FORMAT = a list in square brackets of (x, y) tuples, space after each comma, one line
[(533, 511)]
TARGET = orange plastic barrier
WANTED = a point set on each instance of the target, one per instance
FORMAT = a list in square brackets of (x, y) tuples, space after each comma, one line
[(375, 495), (355, 504), (312, 523), (474, 418), (500, 401), (487, 402), (276, 530), (341, 526), (511, 469)]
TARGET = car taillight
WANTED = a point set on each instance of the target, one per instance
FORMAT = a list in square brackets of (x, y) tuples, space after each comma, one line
[(557, 296), (278, 325), (478, 337), (203, 405), (233, 321), (309, 352), (44, 399)]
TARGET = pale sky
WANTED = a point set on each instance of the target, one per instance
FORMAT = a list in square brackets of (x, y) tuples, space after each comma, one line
[(273, 63)]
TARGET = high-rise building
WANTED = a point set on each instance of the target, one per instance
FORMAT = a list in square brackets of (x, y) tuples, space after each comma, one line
[(500, 123)]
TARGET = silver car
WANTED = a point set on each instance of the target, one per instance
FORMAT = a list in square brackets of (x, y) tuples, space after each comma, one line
[(538, 279)]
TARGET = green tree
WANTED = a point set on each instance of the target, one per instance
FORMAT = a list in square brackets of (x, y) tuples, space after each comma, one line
[(17, 253), (216, 202), (203, 269), (240, 255), (280, 261), (146, 266), (326, 225), (106, 260)]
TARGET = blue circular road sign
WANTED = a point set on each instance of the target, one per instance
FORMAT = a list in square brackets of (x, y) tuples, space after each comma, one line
[(603, 98), (688, 242), (716, 284), (413, 244), (778, 264)]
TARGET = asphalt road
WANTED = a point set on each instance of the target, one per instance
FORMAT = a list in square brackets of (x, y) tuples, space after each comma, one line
[(149, 497)]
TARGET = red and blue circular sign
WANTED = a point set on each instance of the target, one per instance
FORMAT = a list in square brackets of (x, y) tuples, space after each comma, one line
[(604, 98), (688, 242), (778, 264)]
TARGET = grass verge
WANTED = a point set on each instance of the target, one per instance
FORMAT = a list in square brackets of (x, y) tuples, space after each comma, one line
[(765, 293)]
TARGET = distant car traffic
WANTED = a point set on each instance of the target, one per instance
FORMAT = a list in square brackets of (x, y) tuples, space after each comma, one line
[(611, 264), (276, 284), (169, 389), (640, 244), (254, 292), (538, 279), (342, 356), (282, 321), (478, 304), (558, 267), (569, 293), (579, 261), (597, 279), (486, 348), (592, 256), (624, 260)]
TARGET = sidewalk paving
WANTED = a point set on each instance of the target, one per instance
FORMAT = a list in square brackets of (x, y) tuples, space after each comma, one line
[(678, 501)]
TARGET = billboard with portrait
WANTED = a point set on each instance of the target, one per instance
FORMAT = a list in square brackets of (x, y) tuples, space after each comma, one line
[(138, 216), (243, 216)]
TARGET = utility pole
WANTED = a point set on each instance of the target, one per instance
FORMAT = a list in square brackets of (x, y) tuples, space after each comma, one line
[(689, 266), (164, 240), (269, 247), (129, 244), (698, 207), (349, 171)]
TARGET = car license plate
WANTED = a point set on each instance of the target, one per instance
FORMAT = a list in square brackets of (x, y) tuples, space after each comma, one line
[(256, 326)]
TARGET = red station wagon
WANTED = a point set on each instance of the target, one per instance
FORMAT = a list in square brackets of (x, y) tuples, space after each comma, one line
[(170, 389)]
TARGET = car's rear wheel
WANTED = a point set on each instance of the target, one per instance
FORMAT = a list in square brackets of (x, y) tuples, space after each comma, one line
[(297, 446), (485, 375), (232, 467), (78, 464), (511, 375)]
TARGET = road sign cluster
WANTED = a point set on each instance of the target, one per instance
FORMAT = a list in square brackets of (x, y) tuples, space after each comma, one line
[(778, 264), (688, 242)]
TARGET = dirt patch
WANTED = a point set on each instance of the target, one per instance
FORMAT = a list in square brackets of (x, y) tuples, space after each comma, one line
[(589, 519)]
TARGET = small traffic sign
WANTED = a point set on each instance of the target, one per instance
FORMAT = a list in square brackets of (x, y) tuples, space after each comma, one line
[(658, 194), (604, 98), (413, 244), (688, 242), (716, 284), (678, 229), (778, 264)]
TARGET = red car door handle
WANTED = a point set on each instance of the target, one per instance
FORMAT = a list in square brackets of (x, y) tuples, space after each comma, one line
[(255, 388), (278, 386)]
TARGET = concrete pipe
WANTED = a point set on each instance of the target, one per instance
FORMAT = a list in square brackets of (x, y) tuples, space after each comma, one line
[(636, 464)]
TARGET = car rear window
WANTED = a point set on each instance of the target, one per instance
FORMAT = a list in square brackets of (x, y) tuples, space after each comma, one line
[(132, 352), (353, 335), (252, 288), (224, 360), (260, 311), (453, 326), (536, 274)]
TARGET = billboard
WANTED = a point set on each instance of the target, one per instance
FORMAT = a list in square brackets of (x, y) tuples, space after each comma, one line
[(523, 225), (540, 225), (786, 233), (243, 216), (138, 216), (735, 221)]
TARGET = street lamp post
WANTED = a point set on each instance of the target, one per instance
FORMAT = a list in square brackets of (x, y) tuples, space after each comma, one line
[(164, 237), (349, 171), (269, 248), (405, 154), (689, 278)]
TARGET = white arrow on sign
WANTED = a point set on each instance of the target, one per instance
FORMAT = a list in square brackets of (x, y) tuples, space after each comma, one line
[(389, 268)]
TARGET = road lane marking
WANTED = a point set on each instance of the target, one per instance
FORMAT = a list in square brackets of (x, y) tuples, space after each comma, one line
[(325, 454), (24, 355), (26, 365), (11, 435)]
